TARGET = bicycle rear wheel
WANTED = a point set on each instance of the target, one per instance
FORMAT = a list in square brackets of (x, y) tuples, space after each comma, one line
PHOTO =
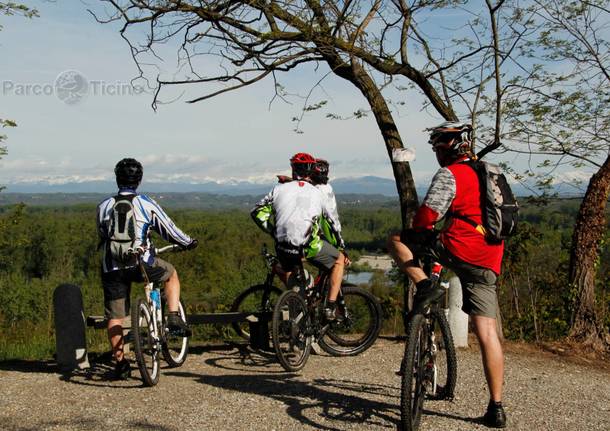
[(145, 342), (290, 325), (255, 299), (174, 347), (413, 370), (357, 326)]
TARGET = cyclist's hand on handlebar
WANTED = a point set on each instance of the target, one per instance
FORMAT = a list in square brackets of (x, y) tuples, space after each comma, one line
[(417, 236)]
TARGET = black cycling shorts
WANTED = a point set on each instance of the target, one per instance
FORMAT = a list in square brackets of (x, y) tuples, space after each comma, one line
[(117, 285), (420, 242), (289, 255)]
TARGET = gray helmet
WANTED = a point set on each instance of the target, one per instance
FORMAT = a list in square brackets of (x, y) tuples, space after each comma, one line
[(128, 173), (451, 136)]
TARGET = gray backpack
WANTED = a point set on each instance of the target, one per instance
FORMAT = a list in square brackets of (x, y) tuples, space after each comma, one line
[(500, 209), (122, 230)]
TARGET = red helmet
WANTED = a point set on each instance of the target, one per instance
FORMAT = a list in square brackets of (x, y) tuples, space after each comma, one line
[(302, 164), (302, 158)]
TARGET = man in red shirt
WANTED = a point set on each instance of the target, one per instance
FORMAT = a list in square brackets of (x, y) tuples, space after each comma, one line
[(454, 195)]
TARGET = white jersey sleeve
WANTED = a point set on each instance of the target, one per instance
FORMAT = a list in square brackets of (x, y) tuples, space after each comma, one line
[(441, 192), (330, 206), (160, 222)]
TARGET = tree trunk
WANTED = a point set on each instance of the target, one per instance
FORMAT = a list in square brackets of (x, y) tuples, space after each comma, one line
[(405, 184), (588, 233)]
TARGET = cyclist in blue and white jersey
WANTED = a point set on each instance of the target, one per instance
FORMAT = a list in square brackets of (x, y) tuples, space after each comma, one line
[(146, 216)]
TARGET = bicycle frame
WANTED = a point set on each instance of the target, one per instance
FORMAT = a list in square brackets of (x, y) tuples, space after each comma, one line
[(154, 300)]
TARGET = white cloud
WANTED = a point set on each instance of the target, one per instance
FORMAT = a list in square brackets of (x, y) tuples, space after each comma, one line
[(571, 177)]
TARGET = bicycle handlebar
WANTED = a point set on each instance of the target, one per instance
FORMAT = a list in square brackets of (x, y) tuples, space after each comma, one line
[(167, 248), (139, 251)]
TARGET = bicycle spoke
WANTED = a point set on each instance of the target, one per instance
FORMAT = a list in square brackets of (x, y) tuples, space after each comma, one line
[(357, 324), (289, 331), (146, 343)]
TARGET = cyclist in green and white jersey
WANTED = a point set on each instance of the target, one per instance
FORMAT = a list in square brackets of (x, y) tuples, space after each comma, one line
[(291, 213), (331, 226)]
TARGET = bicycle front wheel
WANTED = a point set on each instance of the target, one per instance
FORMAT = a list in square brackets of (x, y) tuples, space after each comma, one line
[(174, 347), (290, 327), (145, 342), (413, 371), (357, 325), (445, 361), (255, 299)]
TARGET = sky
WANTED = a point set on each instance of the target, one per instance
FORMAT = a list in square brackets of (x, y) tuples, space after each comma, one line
[(233, 136), (236, 136)]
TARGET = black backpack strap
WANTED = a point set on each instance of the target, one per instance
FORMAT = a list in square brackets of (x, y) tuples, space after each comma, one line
[(478, 227), (476, 167)]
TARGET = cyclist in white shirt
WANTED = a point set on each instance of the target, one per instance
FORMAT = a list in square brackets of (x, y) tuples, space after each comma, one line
[(331, 226), (292, 214)]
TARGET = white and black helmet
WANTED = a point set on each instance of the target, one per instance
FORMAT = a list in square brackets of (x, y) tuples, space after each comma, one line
[(452, 136)]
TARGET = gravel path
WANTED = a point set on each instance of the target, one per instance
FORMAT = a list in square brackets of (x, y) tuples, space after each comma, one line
[(229, 388)]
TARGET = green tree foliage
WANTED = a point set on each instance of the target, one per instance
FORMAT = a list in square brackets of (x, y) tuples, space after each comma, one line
[(55, 245), (3, 124), (12, 8), (558, 114), (11, 218)]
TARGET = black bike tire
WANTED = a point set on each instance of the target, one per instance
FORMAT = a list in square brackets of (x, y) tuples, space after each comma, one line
[(242, 297), (275, 331), (148, 378), (411, 405), (447, 390), (355, 347), (174, 362)]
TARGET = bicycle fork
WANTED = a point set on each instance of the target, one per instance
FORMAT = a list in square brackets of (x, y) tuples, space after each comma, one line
[(431, 366), (154, 304)]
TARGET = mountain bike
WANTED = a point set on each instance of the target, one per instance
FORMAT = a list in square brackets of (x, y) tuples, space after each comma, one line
[(259, 298), (151, 338), (429, 365), (299, 322)]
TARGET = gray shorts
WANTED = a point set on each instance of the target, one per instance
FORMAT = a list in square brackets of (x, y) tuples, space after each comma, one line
[(326, 257), (117, 285), (478, 284)]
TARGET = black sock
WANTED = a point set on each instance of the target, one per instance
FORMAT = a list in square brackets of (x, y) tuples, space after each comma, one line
[(493, 403), (331, 304)]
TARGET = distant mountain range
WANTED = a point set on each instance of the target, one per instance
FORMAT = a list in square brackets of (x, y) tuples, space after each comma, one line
[(188, 200), (360, 185)]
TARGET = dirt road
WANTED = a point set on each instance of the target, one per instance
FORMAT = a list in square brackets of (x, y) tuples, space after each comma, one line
[(229, 388)]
